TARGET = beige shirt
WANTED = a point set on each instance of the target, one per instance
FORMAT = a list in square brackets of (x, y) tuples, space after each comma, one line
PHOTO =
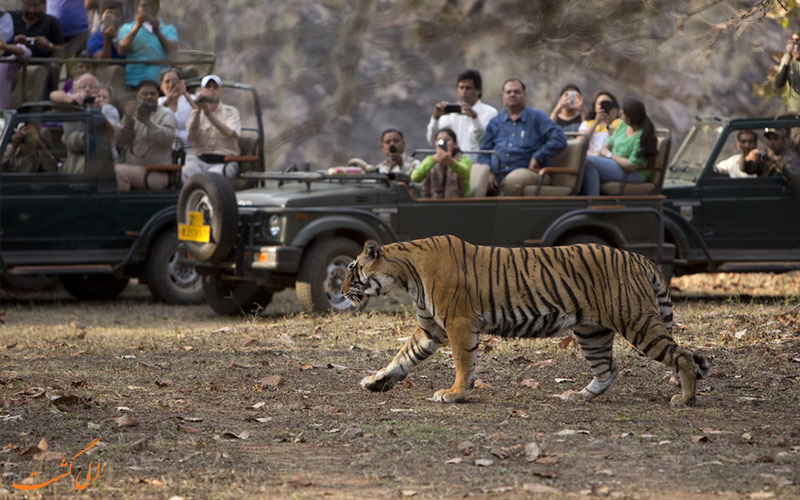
[(148, 144), (208, 138)]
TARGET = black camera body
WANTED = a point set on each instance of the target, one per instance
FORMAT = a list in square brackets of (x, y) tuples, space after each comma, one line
[(392, 149), (207, 98), (89, 99), (452, 108), (606, 106), (30, 41), (442, 143)]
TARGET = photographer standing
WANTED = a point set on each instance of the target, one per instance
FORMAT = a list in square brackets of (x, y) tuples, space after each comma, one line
[(778, 159), (147, 132), (213, 129), (789, 71)]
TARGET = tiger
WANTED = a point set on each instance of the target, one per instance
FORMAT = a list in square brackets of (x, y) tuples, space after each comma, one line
[(461, 290)]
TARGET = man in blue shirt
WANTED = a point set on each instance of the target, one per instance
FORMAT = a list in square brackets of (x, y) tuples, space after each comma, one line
[(146, 38), (525, 138)]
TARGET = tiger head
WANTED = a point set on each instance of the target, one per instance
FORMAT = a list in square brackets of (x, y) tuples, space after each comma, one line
[(369, 274)]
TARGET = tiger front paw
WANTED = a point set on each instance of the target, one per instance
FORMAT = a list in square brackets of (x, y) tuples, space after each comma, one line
[(449, 396), (379, 382), (679, 401)]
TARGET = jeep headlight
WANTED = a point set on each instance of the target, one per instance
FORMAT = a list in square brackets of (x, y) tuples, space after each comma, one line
[(274, 226)]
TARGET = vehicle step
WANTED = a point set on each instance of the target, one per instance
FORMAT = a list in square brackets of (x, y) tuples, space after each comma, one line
[(63, 269)]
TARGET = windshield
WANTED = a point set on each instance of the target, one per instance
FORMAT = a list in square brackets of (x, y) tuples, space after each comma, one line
[(690, 159)]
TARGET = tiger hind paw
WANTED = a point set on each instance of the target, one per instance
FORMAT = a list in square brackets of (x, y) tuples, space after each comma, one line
[(449, 396)]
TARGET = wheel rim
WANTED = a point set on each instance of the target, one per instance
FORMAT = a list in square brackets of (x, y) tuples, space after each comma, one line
[(334, 277), (199, 202), (183, 276)]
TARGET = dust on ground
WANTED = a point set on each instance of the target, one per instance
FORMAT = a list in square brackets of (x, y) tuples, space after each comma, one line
[(186, 403)]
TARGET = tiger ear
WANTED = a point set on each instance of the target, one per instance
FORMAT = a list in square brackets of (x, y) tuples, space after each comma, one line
[(373, 249)]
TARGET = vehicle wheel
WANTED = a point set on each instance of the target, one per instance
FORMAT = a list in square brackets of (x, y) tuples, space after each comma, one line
[(230, 297), (584, 238), (319, 280), (212, 195), (168, 279), (94, 286)]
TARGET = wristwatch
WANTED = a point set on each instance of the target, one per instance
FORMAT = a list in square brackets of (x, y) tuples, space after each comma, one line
[(609, 155)]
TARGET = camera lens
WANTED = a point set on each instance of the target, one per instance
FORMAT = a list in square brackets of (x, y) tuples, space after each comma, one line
[(393, 149)]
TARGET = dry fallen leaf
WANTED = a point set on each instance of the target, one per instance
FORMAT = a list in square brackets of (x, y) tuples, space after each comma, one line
[(466, 447), (233, 435), (258, 405), (541, 489), (299, 482), (532, 451), (41, 447), (484, 462), (530, 382), (696, 438), (305, 366), (565, 342), (480, 384), (272, 381)]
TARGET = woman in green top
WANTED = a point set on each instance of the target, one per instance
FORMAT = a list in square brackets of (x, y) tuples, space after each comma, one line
[(446, 173), (631, 150)]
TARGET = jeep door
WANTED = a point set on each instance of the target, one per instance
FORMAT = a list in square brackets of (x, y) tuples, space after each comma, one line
[(469, 219), (48, 202)]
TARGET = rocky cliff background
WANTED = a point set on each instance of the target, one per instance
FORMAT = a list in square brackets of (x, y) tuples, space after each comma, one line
[(333, 73)]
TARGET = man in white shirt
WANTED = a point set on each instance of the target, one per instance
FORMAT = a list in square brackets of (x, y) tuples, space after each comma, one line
[(469, 120), (746, 141)]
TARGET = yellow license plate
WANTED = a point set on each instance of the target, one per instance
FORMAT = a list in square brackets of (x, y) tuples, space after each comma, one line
[(194, 230)]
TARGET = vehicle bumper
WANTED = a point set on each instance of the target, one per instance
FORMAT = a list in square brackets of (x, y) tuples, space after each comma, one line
[(273, 258)]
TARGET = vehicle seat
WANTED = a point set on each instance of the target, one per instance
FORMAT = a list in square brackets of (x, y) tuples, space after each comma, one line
[(565, 173), (479, 180), (76, 161), (248, 161), (656, 180)]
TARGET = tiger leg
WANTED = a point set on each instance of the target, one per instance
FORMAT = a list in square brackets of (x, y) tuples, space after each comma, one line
[(427, 338), (654, 340), (464, 342), (596, 344)]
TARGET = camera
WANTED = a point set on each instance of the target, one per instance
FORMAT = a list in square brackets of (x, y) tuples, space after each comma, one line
[(207, 98), (606, 106), (452, 108), (30, 41), (572, 97), (442, 143), (393, 149), (89, 99)]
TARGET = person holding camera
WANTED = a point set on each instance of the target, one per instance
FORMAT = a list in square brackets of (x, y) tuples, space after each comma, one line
[(524, 138), (601, 121), (146, 38), (146, 134), (789, 72), (733, 167), (468, 118), (631, 151), (27, 154), (103, 43), (41, 33), (393, 145), (568, 112), (779, 159), (177, 99), (213, 129), (444, 174)]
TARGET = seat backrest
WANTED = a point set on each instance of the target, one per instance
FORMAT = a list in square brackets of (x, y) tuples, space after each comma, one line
[(573, 158), (663, 143), (76, 161)]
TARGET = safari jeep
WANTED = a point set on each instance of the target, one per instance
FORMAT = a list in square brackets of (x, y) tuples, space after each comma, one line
[(74, 224), (718, 223), (301, 229)]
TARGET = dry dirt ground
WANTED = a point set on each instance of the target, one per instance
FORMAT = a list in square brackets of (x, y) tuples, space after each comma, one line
[(188, 404)]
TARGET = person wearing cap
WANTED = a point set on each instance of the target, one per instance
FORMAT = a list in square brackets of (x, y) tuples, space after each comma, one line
[(10, 51), (146, 38), (779, 159), (746, 141), (146, 132), (213, 129)]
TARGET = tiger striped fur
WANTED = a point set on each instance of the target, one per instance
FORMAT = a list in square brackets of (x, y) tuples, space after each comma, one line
[(462, 290)]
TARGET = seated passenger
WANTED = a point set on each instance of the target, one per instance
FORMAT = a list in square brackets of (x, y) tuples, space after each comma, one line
[(446, 173), (41, 32), (746, 141), (146, 132), (525, 138), (633, 150), (9, 51), (85, 93), (177, 100), (778, 159), (393, 145), (601, 121), (146, 38), (568, 113), (103, 43), (213, 129), (26, 152)]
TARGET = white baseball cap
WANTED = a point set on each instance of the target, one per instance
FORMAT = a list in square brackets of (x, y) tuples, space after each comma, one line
[(210, 78)]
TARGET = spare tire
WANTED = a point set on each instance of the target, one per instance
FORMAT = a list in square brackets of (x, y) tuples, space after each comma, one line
[(213, 196)]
